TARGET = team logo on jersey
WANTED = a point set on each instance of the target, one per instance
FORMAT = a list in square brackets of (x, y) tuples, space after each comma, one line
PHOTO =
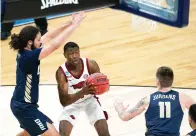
[(85, 76), (68, 74), (78, 85)]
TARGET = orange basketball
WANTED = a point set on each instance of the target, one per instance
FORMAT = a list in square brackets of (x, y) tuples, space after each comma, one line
[(100, 81)]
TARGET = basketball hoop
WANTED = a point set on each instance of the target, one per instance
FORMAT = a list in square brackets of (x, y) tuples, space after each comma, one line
[(141, 24)]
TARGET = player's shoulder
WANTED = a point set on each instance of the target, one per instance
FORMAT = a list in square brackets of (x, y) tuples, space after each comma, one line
[(33, 54), (88, 59), (59, 70), (60, 74), (92, 62)]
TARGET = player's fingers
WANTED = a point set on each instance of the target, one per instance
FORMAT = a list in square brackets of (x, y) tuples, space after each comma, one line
[(92, 92), (74, 15), (93, 88), (80, 16), (90, 85)]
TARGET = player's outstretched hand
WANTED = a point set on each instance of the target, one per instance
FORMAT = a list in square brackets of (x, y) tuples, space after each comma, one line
[(119, 105), (77, 18), (89, 89)]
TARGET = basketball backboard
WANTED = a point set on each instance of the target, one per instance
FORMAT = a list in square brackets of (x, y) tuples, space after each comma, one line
[(171, 12)]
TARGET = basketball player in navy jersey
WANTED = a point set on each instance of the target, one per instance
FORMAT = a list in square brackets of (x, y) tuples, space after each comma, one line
[(25, 97), (192, 120), (74, 96), (164, 108)]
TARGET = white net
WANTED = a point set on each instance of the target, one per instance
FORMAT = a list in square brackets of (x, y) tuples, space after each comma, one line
[(141, 24)]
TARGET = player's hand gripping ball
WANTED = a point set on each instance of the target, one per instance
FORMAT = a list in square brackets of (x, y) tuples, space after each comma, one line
[(100, 81)]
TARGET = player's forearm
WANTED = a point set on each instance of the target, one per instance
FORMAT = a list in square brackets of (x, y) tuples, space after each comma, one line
[(121, 113), (61, 39), (125, 113), (128, 115), (120, 110), (53, 33), (56, 42), (73, 98)]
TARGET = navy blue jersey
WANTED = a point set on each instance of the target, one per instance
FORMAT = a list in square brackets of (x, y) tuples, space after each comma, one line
[(192, 133), (27, 76), (164, 114)]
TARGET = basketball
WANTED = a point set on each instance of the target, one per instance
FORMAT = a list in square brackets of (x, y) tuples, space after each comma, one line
[(100, 81)]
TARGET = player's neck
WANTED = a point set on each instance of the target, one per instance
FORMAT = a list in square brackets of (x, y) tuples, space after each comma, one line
[(26, 48), (164, 89), (74, 67), (194, 126)]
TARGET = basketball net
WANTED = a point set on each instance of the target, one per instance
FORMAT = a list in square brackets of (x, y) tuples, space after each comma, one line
[(141, 24)]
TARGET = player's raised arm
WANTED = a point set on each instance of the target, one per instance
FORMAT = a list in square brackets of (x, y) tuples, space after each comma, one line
[(126, 113), (93, 67), (65, 98), (61, 38), (54, 33)]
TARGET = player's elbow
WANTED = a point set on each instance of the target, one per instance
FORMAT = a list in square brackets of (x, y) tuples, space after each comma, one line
[(66, 101)]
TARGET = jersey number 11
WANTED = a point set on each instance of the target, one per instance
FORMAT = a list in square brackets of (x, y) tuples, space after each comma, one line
[(165, 109)]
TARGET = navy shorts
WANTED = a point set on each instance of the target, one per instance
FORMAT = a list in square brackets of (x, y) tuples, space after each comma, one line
[(150, 134), (30, 118)]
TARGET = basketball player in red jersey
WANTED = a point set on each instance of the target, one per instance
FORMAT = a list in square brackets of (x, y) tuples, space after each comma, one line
[(75, 97)]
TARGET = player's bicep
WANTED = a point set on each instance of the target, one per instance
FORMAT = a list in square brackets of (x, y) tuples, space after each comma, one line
[(47, 50), (93, 67), (62, 84), (45, 39)]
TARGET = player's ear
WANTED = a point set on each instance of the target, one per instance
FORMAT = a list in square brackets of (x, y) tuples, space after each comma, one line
[(65, 55), (30, 42), (157, 82), (190, 120)]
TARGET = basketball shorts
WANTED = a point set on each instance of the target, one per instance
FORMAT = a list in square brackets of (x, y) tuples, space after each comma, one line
[(92, 108), (30, 118)]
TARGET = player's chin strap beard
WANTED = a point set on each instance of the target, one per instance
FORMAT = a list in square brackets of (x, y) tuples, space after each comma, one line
[(190, 125), (32, 46)]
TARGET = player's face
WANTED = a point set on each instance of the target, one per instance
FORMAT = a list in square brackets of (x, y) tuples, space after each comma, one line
[(37, 41), (73, 55)]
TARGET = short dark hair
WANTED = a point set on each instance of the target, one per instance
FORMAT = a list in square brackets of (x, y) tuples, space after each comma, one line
[(165, 76), (70, 45), (192, 112), (19, 41)]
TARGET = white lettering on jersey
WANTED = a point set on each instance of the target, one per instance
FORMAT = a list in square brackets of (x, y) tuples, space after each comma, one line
[(38, 70)]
